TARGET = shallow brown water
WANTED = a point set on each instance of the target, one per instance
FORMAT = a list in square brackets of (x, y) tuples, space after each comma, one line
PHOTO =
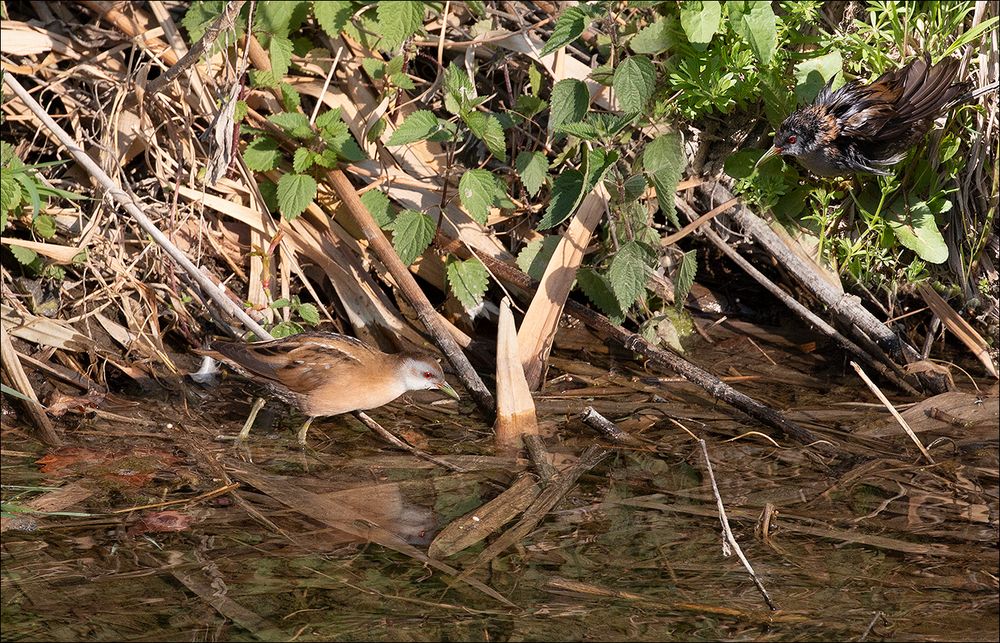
[(869, 541)]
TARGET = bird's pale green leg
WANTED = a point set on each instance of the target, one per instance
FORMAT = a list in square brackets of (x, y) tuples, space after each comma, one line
[(258, 404), (304, 430)]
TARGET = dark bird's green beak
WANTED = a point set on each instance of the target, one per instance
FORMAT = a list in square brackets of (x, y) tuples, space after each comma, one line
[(774, 151)]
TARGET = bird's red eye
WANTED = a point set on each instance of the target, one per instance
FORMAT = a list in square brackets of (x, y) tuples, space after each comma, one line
[(792, 139), (428, 375)]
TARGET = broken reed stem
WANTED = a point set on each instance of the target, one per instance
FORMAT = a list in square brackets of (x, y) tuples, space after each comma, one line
[(899, 418), (728, 532), (399, 443), (607, 428), (215, 293), (19, 381)]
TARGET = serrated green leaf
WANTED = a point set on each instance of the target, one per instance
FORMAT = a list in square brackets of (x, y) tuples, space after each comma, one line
[(569, 25), (418, 126), (627, 274), (755, 22), (684, 278), (597, 289), (286, 329), (459, 91), (598, 163), (811, 75), (583, 131), (700, 21), (295, 124), (295, 193), (532, 167), (914, 225), (302, 160), (201, 15), (290, 98), (332, 15), (280, 54), (468, 281), (567, 191), (528, 106), (279, 17), (487, 128), (479, 190), (10, 192), (397, 21), (634, 82), (24, 256), (378, 206), (262, 154), (653, 39), (568, 103), (412, 232), (535, 256), (44, 226), (664, 163), (308, 313)]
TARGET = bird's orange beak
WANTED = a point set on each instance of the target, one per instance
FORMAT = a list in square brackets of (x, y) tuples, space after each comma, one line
[(774, 151)]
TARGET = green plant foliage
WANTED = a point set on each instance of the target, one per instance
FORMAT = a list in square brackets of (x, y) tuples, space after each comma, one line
[(914, 224), (569, 102), (684, 278), (634, 81), (664, 161), (418, 126), (399, 20), (755, 22), (567, 191), (535, 256), (700, 21), (533, 169), (627, 273), (569, 25), (412, 232), (487, 128), (598, 290), (295, 193), (332, 15), (468, 281), (378, 206), (480, 190), (811, 75)]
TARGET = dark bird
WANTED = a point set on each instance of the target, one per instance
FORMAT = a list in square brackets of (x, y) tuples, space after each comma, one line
[(867, 128), (325, 373)]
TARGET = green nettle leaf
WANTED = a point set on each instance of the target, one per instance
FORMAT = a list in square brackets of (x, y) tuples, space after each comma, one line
[(532, 167), (914, 225), (684, 279), (397, 21), (597, 289), (378, 206), (653, 39), (308, 313), (24, 256), (418, 126), (278, 17), (598, 164), (303, 160), (569, 25), (627, 273), (584, 131), (468, 281), (755, 22), (459, 92), (280, 53), (487, 128), (290, 98), (412, 232), (569, 102), (295, 193), (479, 190), (44, 225), (332, 15), (527, 106), (10, 192), (295, 124), (262, 154), (811, 75), (567, 190), (664, 162), (700, 21), (535, 256)]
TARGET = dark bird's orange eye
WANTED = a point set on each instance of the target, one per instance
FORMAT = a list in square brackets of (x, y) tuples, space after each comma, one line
[(792, 139)]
